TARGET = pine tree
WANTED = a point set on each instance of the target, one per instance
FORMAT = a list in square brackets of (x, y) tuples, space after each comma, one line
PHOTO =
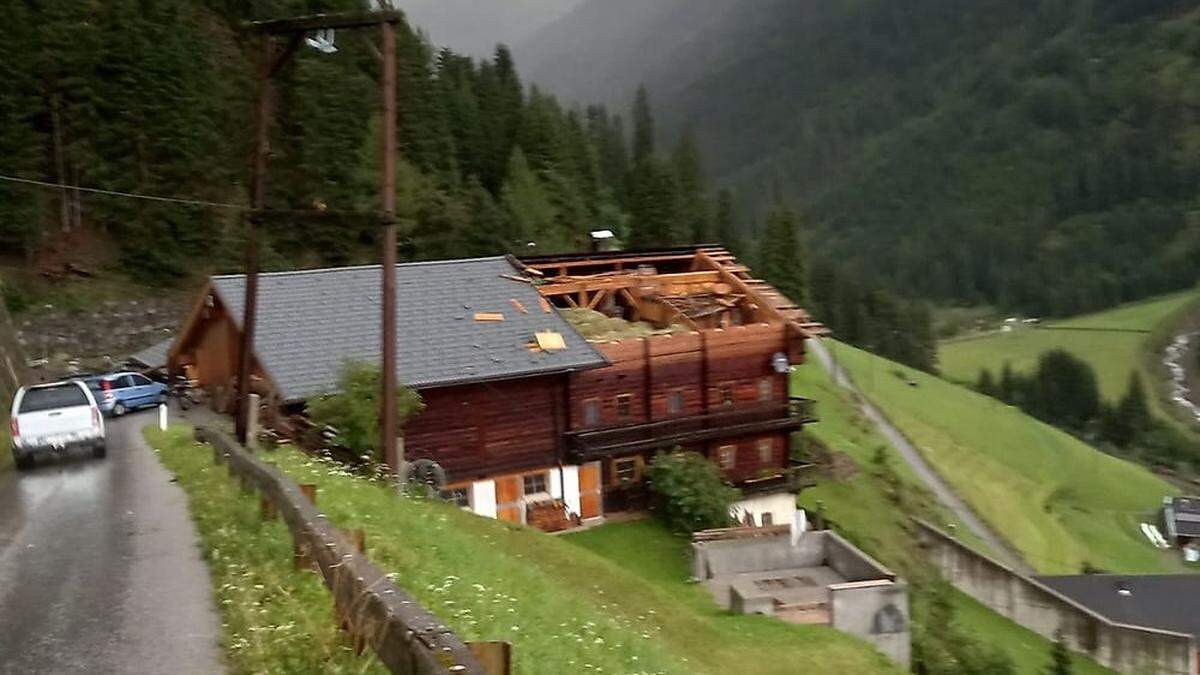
[(1008, 384), (1060, 657), (986, 384), (490, 230), (724, 227), (1130, 418), (643, 127), (527, 204), (779, 255), (652, 205), (20, 106), (695, 217)]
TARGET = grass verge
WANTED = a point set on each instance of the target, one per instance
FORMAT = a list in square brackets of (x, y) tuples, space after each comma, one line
[(273, 618), (1060, 502), (564, 608)]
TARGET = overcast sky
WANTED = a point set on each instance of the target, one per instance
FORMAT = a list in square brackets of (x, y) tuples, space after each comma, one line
[(476, 26)]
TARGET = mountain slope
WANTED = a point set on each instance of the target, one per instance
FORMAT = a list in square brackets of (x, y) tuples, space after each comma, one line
[(1035, 154)]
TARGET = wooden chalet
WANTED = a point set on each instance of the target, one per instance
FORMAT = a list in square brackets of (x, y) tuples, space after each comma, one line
[(548, 382)]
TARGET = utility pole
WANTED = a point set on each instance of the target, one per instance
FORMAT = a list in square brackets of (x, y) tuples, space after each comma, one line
[(253, 225), (387, 426), (294, 31)]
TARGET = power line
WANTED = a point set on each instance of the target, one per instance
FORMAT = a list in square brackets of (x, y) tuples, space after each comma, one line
[(127, 195)]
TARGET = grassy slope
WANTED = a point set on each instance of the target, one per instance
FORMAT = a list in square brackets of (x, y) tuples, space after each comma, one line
[(1059, 501), (864, 513), (273, 618), (564, 609), (1114, 355)]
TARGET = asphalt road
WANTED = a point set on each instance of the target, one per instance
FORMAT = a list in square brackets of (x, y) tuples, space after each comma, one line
[(99, 566), (924, 471)]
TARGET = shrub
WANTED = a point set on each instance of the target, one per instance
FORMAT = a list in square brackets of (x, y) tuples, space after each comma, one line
[(691, 495), (354, 409)]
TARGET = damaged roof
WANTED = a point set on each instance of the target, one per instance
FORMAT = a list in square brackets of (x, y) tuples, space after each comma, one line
[(310, 322)]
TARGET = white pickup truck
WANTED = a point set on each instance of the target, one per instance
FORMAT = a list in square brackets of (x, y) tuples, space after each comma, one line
[(54, 418)]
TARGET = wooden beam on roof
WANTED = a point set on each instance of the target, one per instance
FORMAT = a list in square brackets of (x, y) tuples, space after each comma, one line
[(336, 21), (596, 299), (561, 266), (613, 282)]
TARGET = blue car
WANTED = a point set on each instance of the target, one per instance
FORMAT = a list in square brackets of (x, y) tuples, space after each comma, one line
[(119, 393)]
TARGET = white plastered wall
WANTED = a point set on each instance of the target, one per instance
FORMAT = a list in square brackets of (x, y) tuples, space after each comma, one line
[(782, 508), (483, 498)]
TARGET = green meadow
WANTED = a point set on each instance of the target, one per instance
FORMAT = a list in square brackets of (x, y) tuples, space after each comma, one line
[(1060, 502)]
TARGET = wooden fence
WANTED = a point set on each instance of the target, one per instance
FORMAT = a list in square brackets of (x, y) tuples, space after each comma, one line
[(407, 638)]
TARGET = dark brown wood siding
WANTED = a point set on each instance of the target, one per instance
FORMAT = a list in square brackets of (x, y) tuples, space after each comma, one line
[(736, 360), (481, 430)]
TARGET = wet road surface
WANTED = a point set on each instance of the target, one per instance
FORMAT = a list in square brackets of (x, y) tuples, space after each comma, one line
[(99, 566)]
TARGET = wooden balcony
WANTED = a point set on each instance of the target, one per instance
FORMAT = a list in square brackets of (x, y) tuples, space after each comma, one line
[(796, 477), (592, 444)]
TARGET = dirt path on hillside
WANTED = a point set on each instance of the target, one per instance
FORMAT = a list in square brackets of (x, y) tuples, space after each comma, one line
[(925, 472)]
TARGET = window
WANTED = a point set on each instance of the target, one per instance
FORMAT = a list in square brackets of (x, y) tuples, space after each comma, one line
[(591, 412), (727, 457), (726, 391), (460, 497), (766, 389), (675, 402), (624, 404), (768, 519), (124, 382), (766, 451), (140, 380), (626, 471), (38, 399), (535, 483)]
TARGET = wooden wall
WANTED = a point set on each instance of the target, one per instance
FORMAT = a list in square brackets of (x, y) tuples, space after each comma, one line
[(481, 430), (737, 357)]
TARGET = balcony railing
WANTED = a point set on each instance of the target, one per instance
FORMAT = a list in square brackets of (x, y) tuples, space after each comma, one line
[(796, 477), (590, 444)]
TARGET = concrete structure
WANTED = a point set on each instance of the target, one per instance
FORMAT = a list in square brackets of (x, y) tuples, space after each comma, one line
[(1038, 606), (818, 579)]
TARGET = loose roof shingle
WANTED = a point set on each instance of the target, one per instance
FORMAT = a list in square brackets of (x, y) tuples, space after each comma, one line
[(310, 322)]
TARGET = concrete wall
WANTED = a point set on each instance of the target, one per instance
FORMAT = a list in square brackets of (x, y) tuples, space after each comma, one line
[(722, 558), (850, 562), (876, 611), (1126, 649)]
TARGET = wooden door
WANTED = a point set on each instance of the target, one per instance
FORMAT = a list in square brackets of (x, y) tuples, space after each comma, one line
[(591, 498), (508, 498)]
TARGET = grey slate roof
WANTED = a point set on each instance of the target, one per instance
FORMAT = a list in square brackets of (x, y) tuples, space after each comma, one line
[(154, 356), (310, 322), (1163, 601)]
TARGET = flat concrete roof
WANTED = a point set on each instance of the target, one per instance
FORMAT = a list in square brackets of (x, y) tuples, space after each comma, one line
[(793, 586)]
